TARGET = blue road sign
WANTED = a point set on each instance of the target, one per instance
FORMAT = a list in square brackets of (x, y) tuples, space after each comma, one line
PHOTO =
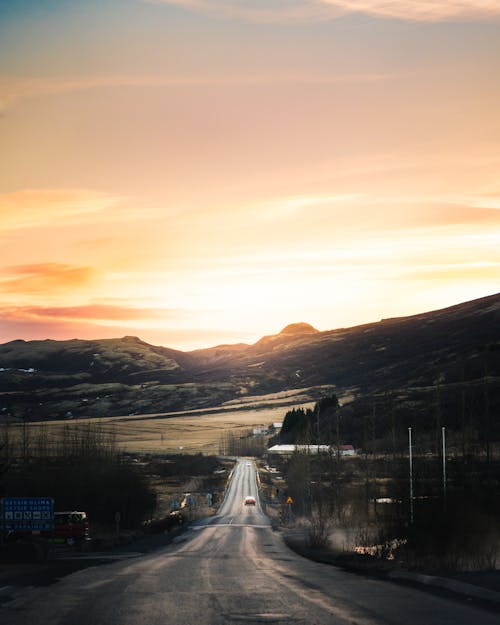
[(27, 514)]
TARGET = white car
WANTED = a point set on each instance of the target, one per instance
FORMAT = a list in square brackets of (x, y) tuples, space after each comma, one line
[(249, 501)]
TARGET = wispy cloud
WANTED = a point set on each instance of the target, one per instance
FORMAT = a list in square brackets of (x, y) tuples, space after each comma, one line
[(13, 90), (285, 207), (44, 277), (457, 271), (383, 211), (30, 208), (318, 10), (422, 10), (261, 10)]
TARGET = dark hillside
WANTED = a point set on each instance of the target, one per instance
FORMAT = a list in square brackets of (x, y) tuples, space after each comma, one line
[(412, 351), (450, 344), (106, 360)]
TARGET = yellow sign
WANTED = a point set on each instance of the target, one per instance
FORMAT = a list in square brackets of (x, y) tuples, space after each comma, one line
[(289, 500)]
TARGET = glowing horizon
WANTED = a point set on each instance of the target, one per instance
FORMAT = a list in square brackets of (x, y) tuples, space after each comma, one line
[(198, 172)]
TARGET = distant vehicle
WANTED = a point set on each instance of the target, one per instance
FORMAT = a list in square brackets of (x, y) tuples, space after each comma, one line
[(249, 501), (249, 464)]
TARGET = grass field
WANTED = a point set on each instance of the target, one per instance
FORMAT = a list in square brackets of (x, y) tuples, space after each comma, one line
[(189, 433), (186, 432)]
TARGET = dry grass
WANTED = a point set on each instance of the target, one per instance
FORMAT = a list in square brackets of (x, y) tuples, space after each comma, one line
[(191, 434), (185, 432)]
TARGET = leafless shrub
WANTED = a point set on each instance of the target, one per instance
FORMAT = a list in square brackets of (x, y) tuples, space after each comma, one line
[(320, 525)]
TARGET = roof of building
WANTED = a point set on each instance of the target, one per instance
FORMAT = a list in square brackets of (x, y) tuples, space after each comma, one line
[(312, 449)]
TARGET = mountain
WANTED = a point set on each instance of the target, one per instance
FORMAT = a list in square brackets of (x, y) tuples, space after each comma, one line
[(448, 347), (99, 361), (445, 344)]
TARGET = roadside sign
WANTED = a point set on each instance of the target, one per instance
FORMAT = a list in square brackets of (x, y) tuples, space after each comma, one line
[(27, 514), (289, 500)]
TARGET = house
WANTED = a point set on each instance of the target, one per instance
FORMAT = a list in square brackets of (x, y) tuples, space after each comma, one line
[(347, 450), (261, 430)]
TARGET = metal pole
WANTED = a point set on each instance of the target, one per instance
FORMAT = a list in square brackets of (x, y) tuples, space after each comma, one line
[(411, 475), (338, 434), (443, 432), (317, 425)]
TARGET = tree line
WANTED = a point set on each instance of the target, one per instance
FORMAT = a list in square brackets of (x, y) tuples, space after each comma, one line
[(82, 468)]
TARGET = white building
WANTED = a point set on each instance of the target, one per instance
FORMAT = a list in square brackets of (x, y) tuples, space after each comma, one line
[(345, 450)]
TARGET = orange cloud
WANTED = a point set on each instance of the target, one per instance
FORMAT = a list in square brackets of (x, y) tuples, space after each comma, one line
[(91, 312), (44, 278), (105, 321), (15, 327)]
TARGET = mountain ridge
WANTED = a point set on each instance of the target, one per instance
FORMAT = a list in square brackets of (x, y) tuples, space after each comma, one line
[(292, 329), (42, 379)]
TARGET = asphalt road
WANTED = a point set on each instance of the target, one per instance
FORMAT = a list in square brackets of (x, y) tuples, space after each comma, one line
[(234, 569)]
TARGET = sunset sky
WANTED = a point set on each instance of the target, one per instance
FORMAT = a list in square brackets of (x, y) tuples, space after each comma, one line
[(197, 172)]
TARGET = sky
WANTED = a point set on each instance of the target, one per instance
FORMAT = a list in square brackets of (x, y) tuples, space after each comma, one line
[(200, 172)]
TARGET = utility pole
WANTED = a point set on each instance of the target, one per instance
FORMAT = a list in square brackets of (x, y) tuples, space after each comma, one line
[(411, 475), (317, 423), (487, 409), (443, 433), (338, 433)]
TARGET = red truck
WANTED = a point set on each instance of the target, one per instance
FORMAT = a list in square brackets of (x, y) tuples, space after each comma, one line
[(70, 527)]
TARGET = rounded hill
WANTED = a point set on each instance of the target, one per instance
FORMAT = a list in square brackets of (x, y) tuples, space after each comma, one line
[(298, 328)]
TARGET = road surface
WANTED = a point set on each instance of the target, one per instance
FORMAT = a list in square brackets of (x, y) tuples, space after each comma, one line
[(231, 570)]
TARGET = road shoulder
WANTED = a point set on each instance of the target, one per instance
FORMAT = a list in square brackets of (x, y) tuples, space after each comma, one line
[(483, 586)]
